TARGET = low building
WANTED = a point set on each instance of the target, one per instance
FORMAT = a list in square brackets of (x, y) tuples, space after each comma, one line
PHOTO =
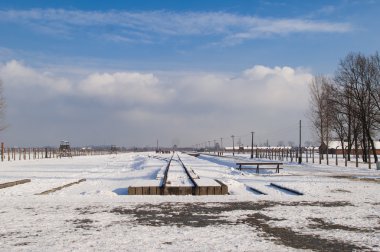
[(335, 147)]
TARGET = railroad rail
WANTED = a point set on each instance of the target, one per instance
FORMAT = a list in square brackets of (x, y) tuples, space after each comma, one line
[(180, 180)]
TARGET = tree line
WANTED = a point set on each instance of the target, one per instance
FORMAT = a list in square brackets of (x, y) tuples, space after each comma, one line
[(346, 106)]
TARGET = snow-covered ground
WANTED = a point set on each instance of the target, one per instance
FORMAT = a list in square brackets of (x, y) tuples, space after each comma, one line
[(339, 211)]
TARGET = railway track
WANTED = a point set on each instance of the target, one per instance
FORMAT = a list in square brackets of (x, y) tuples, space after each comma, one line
[(180, 180)]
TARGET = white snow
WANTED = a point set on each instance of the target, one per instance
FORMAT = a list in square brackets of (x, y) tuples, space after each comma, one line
[(82, 217), (206, 182), (177, 175)]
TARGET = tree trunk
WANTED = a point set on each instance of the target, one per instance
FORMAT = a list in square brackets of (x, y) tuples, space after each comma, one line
[(364, 150), (373, 147), (356, 151), (343, 149), (349, 140)]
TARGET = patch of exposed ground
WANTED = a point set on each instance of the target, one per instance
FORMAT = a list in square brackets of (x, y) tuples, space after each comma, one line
[(83, 223), (9, 234), (322, 224), (289, 238), (22, 244), (340, 191), (200, 215)]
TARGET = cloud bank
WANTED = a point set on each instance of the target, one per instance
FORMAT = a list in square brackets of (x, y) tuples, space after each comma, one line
[(150, 26), (193, 106)]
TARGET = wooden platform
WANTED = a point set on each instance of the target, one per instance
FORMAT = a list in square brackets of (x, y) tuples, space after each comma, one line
[(177, 179), (203, 186)]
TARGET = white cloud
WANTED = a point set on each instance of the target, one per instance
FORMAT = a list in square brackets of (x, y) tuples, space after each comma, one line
[(16, 74), (283, 87), (259, 86), (164, 104), (144, 26), (130, 87)]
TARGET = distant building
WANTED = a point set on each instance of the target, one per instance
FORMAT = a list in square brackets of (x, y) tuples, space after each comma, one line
[(335, 147)]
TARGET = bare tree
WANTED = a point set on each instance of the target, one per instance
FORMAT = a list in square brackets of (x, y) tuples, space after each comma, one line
[(320, 112), (375, 83), (357, 78)]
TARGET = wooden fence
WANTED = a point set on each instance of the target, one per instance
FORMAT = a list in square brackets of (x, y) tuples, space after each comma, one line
[(18, 153), (306, 155)]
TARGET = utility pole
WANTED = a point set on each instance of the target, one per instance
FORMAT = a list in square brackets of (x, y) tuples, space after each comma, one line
[(214, 146), (209, 146), (221, 146), (252, 144), (233, 145), (300, 150)]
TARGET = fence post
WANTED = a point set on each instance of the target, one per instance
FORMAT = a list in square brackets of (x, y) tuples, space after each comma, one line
[(2, 152)]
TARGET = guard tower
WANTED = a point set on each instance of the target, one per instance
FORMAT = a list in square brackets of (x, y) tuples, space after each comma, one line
[(113, 149), (64, 149)]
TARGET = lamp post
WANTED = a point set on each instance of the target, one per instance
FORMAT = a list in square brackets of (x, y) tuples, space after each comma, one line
[(300, 148), (221, 146), (233, 145), (252, 144)]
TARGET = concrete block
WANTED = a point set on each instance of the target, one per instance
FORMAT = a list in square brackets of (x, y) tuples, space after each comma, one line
[(218, 190), (224, 187), (196, 190), (131, 190), (138, 190), (153, 190), (211, 190), (145, 190), (202, 190)]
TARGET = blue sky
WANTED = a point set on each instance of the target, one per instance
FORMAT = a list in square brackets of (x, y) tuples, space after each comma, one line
[(115, 72)]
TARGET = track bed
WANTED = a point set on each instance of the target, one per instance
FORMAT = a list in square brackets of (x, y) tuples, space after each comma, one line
[(178, 180)]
